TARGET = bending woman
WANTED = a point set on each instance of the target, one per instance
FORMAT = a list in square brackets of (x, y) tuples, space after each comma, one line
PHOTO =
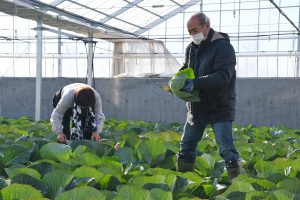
[(81, 105)]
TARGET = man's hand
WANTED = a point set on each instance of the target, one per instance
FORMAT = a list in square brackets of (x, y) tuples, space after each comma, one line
[(95, 136), (188, 86), (61, 138)]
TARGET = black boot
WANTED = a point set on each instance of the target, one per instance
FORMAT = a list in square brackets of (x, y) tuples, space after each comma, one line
[(234, 169), (183, 166)]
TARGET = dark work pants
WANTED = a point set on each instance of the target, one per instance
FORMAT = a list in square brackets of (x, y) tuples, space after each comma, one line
[(192, 134)]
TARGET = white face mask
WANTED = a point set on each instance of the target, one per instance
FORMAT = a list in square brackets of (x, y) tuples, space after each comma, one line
[(198, 38)]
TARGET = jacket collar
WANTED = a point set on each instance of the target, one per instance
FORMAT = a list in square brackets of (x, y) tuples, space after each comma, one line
[(210, 35)]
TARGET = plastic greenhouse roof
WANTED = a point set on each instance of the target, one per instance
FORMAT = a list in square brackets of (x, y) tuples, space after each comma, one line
[(134, 16), (130, 17)]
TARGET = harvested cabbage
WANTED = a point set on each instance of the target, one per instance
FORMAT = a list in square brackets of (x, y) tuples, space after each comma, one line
[(177, 82)]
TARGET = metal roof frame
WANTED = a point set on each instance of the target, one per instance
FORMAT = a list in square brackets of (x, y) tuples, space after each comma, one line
[(79, 24), (286, 17), (32, 9), (84, 6), (167, 16), (57, 2), (120, 11), (93, 23)]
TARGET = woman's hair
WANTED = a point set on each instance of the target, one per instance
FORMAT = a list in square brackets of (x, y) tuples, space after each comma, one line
[(85, 96)]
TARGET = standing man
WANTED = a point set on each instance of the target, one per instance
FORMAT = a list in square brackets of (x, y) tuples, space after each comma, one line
[(212, 58), (81, 104)]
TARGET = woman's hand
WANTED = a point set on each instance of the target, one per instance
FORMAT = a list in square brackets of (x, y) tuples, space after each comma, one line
[(95, 136), (61, 138)]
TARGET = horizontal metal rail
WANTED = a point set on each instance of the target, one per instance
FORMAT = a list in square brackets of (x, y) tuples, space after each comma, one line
[(142, 55)]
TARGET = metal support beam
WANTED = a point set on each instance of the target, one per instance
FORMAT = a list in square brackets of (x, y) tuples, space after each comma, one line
[(90, 60), (147, 56), (120, 11), (201, 5), (153, 13), (39, 61), (38, 5), (298, 49), (57, 2), (220, 16), (281, 12), (166, 17), (59, 32), (97, 11), (178, 4), (59, 67)]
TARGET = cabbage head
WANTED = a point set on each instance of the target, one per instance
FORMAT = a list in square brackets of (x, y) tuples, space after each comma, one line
[(177, 82)]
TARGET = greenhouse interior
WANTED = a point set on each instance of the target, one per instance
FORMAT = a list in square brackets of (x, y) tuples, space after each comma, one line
[(150, 99)]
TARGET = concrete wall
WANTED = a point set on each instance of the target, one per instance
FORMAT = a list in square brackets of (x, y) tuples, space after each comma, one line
[(259, 101)]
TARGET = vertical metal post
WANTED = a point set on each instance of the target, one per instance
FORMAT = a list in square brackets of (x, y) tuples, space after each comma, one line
[(220, 16), (258, 30), (166, 25), (38, 82), (201, 5), (90, 60), (298, 49), (183, 33), (278, 37), (166, 28), (151, 53), (59, 67), (238, 42), (109, 60), (13, 43)]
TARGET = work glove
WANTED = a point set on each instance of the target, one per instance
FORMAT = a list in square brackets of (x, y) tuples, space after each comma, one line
[(188, 86)]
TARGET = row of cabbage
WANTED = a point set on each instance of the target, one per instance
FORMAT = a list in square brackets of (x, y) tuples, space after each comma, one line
[(34, 166)]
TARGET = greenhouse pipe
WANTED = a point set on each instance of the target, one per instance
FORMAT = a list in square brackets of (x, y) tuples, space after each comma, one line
[(269, 54), (39, 65), (59, 73), (61, 13), (90, 60), (298, 49), (166, 17), (57, 2), (201, 5), (145, 56), (120, 11), (287, 18)]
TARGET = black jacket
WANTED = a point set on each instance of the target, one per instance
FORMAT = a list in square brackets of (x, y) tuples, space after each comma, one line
[(214, 63)]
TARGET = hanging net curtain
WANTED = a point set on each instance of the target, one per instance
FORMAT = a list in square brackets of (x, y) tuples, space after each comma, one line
[(143, 59)]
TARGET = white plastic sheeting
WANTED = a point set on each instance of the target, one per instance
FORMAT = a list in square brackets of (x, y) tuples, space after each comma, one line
[(146, 58)]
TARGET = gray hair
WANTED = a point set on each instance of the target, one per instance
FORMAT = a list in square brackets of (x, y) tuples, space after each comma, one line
[(203, 19)]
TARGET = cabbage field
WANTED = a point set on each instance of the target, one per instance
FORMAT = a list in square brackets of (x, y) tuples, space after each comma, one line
[(33, 166)]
